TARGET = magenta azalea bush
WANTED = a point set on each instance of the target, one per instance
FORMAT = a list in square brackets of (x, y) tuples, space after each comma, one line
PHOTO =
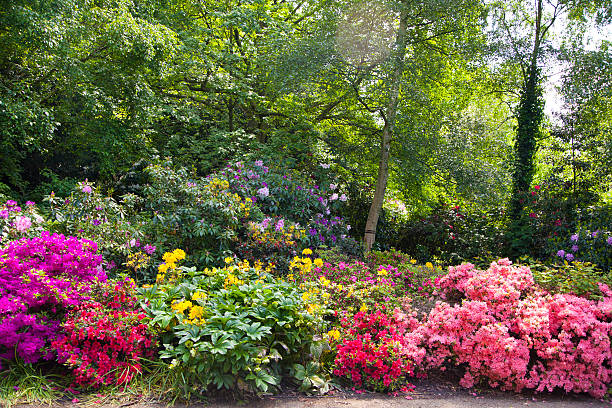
[(41, 278), (509, 333)]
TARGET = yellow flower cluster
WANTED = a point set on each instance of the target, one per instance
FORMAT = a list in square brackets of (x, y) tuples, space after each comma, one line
[(169, 266), (217, 185), (286, 237), (304, 264), (231, 280), (174, 256), (199, 296), (181, 306), (195, 312), (333, 335), (315, 298), (138, 260)]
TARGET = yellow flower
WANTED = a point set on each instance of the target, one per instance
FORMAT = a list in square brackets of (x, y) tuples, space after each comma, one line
[(318, 262), (181, 306), (179, 254), (169, 257), (333, 334), (196, 312), (429, 265), (163, 268), (307, 251), (382, 272), (228, 260), (413, 261), (199, 296), (363, 308)]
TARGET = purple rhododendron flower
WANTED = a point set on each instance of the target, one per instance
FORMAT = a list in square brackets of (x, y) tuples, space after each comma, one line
[(263, 192), (609, 240), (574, 238), (280, 224), (569, 257), (574, 248), (149, 249), (560, 253), (86, 189)]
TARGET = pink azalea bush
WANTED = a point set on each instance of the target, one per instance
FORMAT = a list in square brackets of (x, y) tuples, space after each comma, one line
[(511, 334), (40, 279)]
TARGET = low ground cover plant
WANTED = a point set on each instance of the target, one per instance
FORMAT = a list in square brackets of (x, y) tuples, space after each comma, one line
[(237, 327)]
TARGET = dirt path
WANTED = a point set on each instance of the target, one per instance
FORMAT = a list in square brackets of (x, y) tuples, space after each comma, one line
[(433, 392)]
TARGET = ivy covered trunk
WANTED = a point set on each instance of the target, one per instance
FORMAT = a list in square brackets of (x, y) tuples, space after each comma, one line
[(529, 118)]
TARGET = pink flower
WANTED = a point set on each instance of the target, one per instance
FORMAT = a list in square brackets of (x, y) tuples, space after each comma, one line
[(23, 223)]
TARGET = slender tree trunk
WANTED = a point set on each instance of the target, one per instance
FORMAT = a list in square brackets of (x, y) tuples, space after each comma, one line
[(387, 134)]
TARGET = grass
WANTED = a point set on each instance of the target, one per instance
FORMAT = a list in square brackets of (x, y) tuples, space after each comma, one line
[(27, 383), (48, 383)]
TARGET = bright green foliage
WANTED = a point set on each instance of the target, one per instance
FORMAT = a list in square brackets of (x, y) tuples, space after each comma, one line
[(580, 278), (77, 82)]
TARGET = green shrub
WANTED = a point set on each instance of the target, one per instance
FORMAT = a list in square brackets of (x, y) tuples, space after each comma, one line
[(235, 328)]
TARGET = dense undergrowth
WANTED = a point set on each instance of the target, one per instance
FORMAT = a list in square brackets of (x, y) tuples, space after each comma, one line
[(249, 282)]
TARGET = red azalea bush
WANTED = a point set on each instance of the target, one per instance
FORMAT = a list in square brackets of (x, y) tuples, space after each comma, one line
[(377, 352), (104, 343), (513, 335)]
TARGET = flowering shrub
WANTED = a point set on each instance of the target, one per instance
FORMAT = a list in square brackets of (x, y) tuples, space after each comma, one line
[(587, 246), (86, 213), (376, 352), (19, 222), (41, 278), (279, 194), (203, 216), (236, 327), (106, 337), (578, 278), (513, 335), (355, 285), (272, 241)]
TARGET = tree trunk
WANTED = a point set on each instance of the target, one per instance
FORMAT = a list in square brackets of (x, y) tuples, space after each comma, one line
[(529, 118), (387, 133)]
